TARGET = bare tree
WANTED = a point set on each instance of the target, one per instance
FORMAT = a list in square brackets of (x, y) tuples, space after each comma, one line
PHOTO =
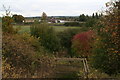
[(7, 10)]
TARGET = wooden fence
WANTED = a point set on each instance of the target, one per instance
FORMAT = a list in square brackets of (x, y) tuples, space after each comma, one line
[(84, 61)]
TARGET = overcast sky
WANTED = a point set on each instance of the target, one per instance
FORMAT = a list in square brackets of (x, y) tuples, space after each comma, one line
[(53, 7)]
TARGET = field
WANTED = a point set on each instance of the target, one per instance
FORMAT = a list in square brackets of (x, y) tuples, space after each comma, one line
[(26, 28), (22, 29), (62, 28)]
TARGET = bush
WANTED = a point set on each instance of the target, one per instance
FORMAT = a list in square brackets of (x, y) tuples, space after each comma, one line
[(58, 24), (65, 39), (106, 57), (7, 26), (13, 47), (106, 51), (17, 52), (28, 23), (82, 43), (18, 18), (48, 37), (24, 57), (91, 22), (71, 24)]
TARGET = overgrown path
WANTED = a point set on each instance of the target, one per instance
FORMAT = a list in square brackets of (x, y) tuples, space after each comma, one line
[(71, 68)]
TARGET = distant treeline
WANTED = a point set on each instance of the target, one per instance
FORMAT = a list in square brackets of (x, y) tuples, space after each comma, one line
[(82, 20)]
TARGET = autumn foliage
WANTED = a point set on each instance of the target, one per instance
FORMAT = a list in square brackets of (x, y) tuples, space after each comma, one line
[(82, 43), (23, 57), (7, 26), (107, 45)]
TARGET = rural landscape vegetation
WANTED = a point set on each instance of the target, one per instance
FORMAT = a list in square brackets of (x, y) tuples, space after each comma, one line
[(62, 46)]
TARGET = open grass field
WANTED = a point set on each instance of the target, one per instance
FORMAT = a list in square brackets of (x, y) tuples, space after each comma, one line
[(62, 28), (26, 28), (23, 28)]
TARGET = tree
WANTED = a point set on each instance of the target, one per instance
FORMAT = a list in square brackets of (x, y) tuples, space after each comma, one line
[(65, 39), (7, 26), (100, 15), (96, 16), (82, 43), (107, 46), (23, 56), (44, 17), (47, 35), (82, 18), (93, 16), (7, 10), (18, 18)]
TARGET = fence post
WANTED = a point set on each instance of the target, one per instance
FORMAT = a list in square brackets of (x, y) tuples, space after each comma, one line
[(86, 68)]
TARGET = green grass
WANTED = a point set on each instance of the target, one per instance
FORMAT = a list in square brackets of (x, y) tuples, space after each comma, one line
[(23, 29), (62, 28), (26, 28), (0, 19)]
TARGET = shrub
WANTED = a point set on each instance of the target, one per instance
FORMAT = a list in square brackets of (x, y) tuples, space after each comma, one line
[(7, 26), (82, 43), (107, 51), (48, 37), (17, 52), (83, 18), (24, 57), (13, 47), (65, 39), (18, 18), (104, 55), (91, 22), (57, 24), (71, 24)]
